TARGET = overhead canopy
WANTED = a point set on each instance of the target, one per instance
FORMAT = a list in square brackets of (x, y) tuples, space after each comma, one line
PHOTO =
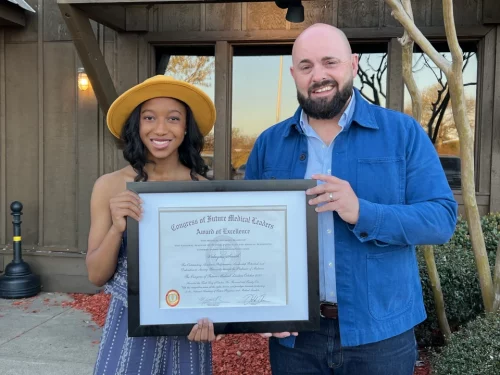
[(120, 15), (13, 13), (23, 4), (131, 15)]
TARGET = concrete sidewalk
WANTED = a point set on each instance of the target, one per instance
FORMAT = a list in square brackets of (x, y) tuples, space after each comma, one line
[(41, 337)]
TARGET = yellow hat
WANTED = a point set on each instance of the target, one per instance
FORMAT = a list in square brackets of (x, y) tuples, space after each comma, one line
[(162, 86)]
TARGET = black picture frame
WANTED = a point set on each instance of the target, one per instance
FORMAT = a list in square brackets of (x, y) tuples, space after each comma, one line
[(136, 329)]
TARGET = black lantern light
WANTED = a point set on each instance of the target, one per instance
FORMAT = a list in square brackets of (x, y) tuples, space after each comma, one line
[(295, 12)]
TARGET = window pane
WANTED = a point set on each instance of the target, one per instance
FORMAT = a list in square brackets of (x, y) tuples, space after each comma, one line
[(371, 79), (437, 116), (198, 70), (263, 94)]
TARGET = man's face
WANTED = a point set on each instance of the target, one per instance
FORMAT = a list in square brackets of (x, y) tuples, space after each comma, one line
[(323, 70)]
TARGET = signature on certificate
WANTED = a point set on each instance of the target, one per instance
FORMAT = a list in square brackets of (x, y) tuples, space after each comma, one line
[(254, 299), (212, 301)]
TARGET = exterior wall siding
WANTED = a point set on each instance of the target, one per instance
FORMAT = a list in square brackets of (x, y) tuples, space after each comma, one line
[(53, 138)]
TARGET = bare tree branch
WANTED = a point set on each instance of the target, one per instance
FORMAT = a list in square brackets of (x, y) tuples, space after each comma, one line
[(454, 76), (430, 260), (441, 111), (380, 74), (466, 139), (416, 98), (372, 81), (451, 32), (407, 57), (428, 65), (400, 14)]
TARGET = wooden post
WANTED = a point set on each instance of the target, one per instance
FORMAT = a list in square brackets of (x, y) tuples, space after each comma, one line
[(90, 54), (495, 135), (395, 84), (222, 128)]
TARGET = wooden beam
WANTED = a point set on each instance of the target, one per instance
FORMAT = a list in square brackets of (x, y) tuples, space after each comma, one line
[(112, 16), (491, 11), (137, 18), (90, 54), (152, 2), (223, 103), (283, 36), (12, 15)]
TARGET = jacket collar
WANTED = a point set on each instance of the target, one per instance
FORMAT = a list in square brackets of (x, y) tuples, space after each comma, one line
[(362, 116)]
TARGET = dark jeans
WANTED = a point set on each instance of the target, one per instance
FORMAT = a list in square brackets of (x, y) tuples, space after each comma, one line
[(320, 353)]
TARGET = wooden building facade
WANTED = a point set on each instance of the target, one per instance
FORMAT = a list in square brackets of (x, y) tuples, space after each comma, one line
[(54, 142)]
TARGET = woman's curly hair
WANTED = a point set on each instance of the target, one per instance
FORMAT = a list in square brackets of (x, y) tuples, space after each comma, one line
[(190, 149)]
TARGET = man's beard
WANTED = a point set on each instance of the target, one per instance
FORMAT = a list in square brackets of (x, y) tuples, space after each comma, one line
[(323, 108)]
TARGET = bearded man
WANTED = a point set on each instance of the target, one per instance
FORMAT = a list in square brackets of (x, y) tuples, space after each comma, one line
[(380, 191)]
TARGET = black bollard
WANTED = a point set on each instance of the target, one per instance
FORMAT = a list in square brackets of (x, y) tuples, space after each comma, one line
[(18, 281)]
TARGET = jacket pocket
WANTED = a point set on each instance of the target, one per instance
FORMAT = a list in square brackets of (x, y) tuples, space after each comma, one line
[(381, 180), (389, 276)]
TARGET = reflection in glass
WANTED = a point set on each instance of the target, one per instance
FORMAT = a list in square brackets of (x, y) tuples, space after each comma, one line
[(264, 94), (199, 71), (371, 79), (437, 115)]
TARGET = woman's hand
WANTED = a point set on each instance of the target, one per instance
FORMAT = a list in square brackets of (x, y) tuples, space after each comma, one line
[(126, 203), (203, 331)]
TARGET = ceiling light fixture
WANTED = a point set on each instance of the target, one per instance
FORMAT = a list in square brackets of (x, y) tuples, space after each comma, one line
[(295, 10)]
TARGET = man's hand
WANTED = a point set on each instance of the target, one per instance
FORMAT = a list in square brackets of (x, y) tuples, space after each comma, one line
[(335, 195), (279, 335)]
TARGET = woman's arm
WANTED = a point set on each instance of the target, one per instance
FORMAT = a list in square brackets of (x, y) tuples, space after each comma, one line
[(107, 224)]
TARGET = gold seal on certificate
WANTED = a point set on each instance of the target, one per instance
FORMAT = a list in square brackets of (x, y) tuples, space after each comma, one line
[(243, 254), (172, 298)]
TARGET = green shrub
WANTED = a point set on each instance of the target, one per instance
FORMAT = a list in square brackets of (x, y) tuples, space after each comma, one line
[(491, 229), (473, 350), (459, 279)]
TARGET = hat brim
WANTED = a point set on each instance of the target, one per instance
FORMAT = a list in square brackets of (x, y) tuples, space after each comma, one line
[(198, 101)]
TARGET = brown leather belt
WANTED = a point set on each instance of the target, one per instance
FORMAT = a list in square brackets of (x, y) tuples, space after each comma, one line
[(328, 310)]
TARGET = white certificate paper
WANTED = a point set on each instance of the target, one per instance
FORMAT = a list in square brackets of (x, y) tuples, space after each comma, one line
[(222, 257), (271, 246)]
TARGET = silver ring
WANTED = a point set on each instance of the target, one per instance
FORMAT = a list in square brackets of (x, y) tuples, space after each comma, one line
[(331, 197)]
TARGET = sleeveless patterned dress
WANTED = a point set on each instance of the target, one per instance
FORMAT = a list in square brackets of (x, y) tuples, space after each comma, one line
[(119, 354)]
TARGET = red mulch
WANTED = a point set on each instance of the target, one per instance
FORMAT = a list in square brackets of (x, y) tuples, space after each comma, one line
[(241, 354), (234, 354), (96, 305)]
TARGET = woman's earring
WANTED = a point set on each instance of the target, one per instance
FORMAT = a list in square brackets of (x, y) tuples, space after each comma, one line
[(185, 133)]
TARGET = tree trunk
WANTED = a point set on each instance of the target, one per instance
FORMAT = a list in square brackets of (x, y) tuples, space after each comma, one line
[(468, 185), (454, 76), (438, 293), (416, 99)]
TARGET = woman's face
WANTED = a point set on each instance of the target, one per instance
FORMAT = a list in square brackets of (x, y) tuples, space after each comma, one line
[(162, 126)]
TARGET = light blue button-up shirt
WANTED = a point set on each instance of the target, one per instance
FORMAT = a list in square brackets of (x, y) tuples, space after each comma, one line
[(319, 162)]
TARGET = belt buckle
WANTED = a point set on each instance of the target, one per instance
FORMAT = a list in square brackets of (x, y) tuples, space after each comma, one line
[(324, 303)]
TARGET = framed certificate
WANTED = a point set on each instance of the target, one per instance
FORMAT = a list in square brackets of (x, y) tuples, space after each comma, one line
[(243, 254)]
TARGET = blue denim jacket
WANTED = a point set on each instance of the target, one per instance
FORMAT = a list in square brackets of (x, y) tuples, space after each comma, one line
[(404, 200)]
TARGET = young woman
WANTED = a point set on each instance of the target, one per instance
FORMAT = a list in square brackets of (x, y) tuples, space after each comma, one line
[(162, 123)]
